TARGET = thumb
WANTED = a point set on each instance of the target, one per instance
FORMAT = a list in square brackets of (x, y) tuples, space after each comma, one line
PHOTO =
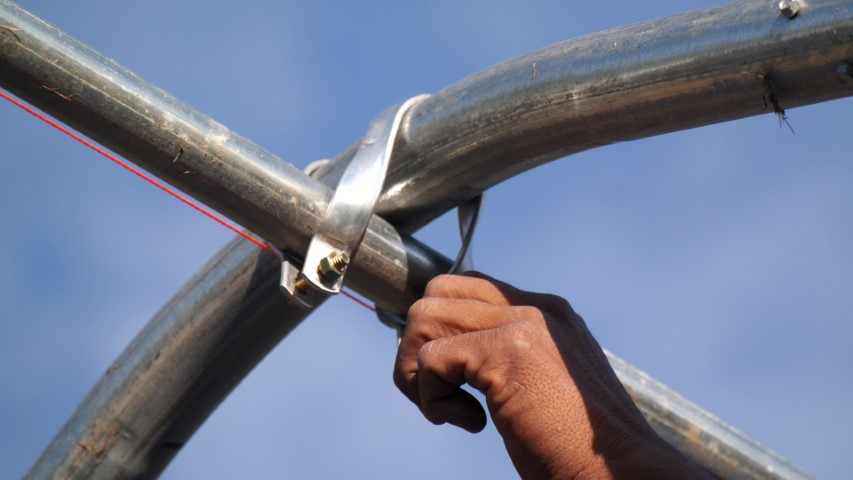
[(444, 365)]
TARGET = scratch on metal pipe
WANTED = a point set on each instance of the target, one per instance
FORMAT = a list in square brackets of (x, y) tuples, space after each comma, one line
[(12, 30), (179, 155), (55, 90)]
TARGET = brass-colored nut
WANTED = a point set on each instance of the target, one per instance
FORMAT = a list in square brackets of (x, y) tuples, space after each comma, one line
[(334, 266)]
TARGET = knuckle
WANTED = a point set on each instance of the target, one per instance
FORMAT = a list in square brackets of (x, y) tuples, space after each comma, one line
[(418, 310), (523, 337), (529, 313), (439, 286), (418, 317)]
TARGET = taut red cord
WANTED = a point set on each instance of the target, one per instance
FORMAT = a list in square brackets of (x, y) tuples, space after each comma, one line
[(156, 183), (138, 173)]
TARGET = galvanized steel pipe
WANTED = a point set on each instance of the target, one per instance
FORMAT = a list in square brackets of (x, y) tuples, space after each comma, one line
[(694, 69), (698, 68), (194, 153)]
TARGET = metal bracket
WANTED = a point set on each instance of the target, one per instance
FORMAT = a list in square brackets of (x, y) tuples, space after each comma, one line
[(339, 233)]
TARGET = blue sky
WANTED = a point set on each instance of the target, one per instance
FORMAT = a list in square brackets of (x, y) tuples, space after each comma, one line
[(716, 259)]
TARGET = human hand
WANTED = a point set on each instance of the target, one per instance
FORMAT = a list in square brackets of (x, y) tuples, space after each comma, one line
[(549, 388)]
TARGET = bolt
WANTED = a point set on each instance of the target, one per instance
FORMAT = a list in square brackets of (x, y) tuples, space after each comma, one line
[(300, 285), (845, 72), (789, 8), (334, 266)]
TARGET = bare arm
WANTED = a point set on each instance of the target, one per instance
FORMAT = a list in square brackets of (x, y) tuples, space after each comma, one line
[(549, 389)]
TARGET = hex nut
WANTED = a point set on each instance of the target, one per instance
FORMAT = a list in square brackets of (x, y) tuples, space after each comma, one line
[(333, 266)]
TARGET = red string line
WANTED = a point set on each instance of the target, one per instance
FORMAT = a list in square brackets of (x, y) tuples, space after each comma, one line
[(358, 301), (159, 185), (138, 173)]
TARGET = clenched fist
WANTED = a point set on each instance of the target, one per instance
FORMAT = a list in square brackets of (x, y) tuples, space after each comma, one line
[(549, 389)]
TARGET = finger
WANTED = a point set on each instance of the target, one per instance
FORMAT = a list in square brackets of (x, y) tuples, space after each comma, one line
[(480, 287), (431, 319), (472, 285), (442, 371), (458, 408), (442, 317), (513, 296)]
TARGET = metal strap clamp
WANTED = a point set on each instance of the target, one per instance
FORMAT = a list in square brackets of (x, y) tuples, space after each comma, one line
[(340, 232)]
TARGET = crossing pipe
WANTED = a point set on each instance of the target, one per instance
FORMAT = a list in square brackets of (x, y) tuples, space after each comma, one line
[(699, 68)]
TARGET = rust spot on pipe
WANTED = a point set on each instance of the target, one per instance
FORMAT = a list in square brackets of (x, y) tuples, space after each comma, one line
[(99, 440)]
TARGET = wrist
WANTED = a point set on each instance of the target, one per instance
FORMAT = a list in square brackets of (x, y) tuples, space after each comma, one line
[(651, 460)]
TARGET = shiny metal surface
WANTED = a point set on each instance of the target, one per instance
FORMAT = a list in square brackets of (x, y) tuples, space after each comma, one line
[(675, 73), (345, 220), (176, 371), (789, 8), (198, 348), (681, 72), (192, 152), (706, 439)]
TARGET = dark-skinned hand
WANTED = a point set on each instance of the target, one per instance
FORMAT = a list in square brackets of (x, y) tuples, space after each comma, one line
[(549, 389)]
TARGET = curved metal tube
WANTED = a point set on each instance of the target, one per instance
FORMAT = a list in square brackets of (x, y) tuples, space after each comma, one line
[(193, 152), (176, 371), (694, 69), (679, 72), (707, 440), (675, 73)]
